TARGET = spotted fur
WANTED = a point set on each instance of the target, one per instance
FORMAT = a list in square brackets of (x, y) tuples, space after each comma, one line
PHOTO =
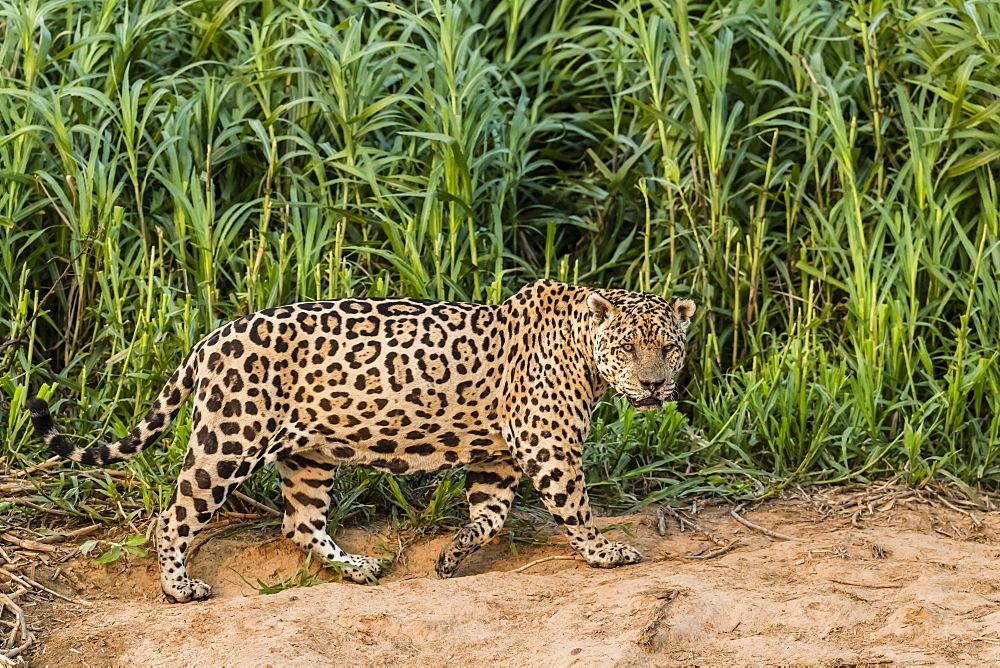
[(405, 386)]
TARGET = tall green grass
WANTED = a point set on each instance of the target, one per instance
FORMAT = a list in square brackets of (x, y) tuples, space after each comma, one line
[(821, 177)]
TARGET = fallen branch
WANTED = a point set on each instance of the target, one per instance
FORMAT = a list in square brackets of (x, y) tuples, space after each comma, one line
[(47, 464), (6, 600), (241, 516), (20, 487), (870, 501), (538, 561), (661, 521), (9, 655), (648, 633), (224, 527), (735, 512)]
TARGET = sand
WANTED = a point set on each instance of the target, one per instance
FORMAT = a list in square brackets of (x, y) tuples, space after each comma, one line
[(903, 581)]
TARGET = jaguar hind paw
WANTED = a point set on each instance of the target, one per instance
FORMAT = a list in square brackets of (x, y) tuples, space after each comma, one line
[(613, 555), (188, 589)]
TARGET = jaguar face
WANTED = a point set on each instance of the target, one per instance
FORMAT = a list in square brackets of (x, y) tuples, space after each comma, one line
[(639, 347)]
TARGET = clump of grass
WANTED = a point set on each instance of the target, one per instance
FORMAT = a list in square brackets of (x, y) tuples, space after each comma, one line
[(819, 177)]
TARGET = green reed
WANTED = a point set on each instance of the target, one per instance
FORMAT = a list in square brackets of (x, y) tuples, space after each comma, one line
[(819, 177)]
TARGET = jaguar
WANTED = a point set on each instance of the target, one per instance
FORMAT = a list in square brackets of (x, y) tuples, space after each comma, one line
[(404, 386)]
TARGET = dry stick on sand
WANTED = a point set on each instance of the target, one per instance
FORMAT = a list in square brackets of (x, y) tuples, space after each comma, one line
[(975, 520), (722, 546), (648, 632), (17, 627), (661, 521), (538, 561), (735, 512), (869, 586), (867, 502), (225, 526), (712, 554)]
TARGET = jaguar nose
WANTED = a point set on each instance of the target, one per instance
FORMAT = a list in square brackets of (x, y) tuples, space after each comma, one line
[(652, 385)]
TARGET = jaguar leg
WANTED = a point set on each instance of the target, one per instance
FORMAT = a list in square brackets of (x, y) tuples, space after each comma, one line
[(306, 481), (205, 482), (557, 474), (490, 488)]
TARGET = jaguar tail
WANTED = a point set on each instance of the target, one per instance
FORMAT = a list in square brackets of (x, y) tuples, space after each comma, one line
[(159, 417)]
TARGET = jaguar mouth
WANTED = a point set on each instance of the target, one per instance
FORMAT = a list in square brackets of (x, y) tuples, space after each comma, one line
[(649, 403)]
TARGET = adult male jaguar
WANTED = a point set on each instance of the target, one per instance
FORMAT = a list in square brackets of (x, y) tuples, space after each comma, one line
[(405, 386)]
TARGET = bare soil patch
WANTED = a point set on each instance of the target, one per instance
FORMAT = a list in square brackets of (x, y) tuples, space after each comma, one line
[(900, 581)]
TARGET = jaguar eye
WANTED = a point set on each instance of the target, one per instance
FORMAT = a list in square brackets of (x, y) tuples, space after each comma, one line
[(628, 347)]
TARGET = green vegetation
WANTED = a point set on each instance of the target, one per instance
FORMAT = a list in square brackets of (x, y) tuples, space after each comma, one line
[(821, 177)]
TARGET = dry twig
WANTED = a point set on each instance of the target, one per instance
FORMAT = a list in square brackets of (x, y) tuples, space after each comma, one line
[(256, 504), (31, 504), (28, 544), (688, 522), (661, 521), (47, 464), (735, 512), (538, 561), (975, 520), (76, 533), (225, 526), (869, 586), (712, 554)]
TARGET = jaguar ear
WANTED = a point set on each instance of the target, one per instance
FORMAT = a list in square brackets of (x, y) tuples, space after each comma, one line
[(600, 308), (683, 310)]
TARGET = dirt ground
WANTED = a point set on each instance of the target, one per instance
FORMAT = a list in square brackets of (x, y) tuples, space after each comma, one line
[(899, 581)]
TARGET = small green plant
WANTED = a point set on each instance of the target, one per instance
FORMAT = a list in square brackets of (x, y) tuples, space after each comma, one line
[(624, 527), (444, 509), (387, 555), (521, 530), (116, 549), (301, 578)]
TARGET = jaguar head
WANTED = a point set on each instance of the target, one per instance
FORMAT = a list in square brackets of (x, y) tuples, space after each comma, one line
[(639, 344)]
